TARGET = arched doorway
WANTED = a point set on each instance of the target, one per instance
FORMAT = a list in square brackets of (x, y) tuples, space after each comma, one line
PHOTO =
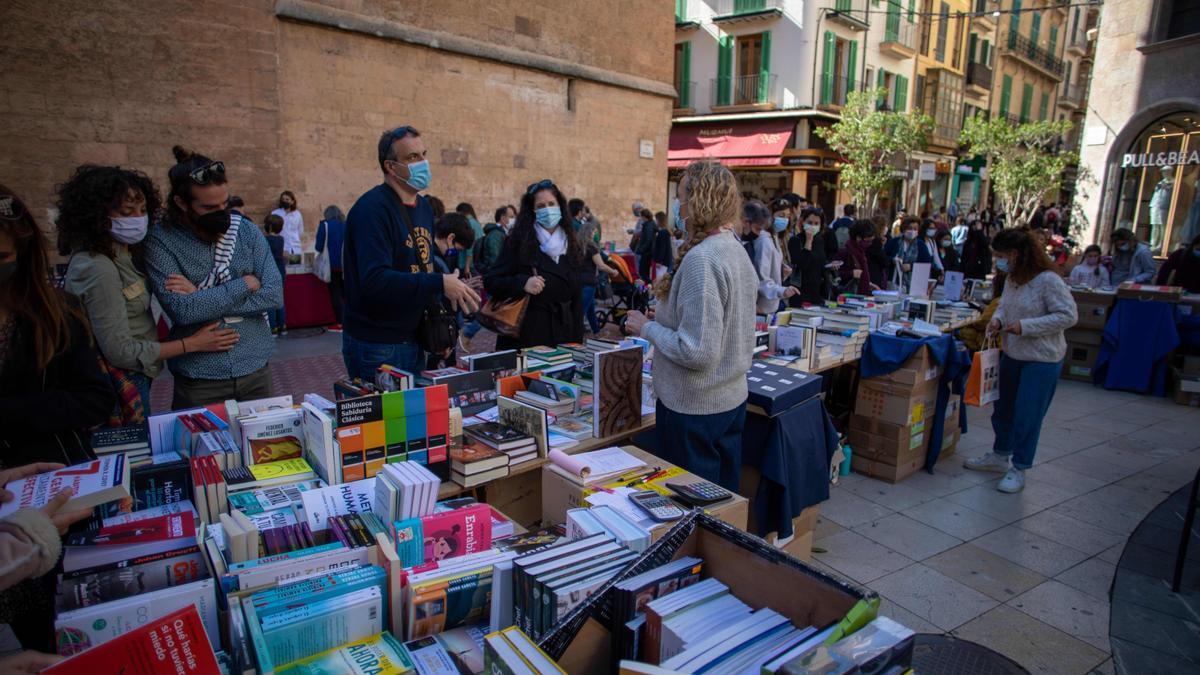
[(1159, 184)]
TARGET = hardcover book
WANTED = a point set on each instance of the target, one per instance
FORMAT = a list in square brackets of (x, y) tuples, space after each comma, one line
[(451, 534), (617, 399)]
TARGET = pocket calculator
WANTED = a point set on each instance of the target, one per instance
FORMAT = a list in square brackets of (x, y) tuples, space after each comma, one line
[(656, 506), (700, 494)]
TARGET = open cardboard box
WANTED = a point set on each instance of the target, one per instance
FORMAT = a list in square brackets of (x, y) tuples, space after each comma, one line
[(757, 573)]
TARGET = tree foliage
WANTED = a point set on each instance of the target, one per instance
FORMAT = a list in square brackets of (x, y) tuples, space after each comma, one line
[(1023, 163), (870, 140)]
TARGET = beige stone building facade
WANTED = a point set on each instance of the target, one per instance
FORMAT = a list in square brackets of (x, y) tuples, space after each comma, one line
[(293, 94), (1141, 136)]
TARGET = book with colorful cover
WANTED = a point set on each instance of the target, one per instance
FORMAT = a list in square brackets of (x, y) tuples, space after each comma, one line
[(450, 602), (273, 498), (458, 651), (174, 644), (289, 596), (377, 655), (161, 528), (85, 628), (410, 541), (451, 534), (314, 628), (94, 483), (272, 436), (498, 436), (473, 457), (125, 578)]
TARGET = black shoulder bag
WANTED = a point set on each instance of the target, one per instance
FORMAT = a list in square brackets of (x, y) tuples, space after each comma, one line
[(437, 332)]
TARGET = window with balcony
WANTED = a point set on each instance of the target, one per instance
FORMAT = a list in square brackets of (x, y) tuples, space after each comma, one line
[(899, 34), (746, 79), (685, 89), (943, 101), (1053, 46), (1014, 19), (943, 26), (1005, 95), (838, 69), (1044, 106), (1035, 30)]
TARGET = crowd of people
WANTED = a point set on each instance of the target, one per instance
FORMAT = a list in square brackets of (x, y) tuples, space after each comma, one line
[(410, 283)]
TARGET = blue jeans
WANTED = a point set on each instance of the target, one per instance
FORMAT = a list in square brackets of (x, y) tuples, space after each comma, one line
[(709, 446), (143, 386), (1026, 389), (364, 358), (589, 307), (277, 318)]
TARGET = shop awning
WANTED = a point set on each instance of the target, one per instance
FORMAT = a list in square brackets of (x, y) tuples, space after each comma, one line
[(749, 143)]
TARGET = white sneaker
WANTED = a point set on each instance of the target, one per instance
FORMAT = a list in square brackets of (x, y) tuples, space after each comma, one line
[(990, 462), (1013, 481)]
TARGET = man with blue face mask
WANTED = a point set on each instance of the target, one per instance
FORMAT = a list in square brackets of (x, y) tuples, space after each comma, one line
[(388, 263)]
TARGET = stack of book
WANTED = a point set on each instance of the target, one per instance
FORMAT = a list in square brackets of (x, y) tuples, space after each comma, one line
[(133, 441), (452, 594), (335, 609), (352, 530), (548, 584), (518, 446), (206, 434), (473, 463), (542, 356), (503, 363), (428, 377), (241, 536), (405, 490), (511, 651), (210, 491), (604, 519), (546, 396)]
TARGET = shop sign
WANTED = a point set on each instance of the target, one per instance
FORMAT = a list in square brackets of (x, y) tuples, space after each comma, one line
[(928, 171), (801, 161), (1160, 159)]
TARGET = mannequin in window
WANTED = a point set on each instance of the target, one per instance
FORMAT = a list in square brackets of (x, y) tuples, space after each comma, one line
[(1160, 205)]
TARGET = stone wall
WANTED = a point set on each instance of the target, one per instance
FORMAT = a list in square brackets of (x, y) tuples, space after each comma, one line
[(295, 105)]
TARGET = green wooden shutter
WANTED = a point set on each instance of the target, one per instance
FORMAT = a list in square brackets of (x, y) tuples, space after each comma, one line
[(685, 76), (912, 10), (851, 67), (901, 93), (971, 49), (880, 81), (724, 70), (1005, 95), (1053, 40), (1014, 21), (1044, 106), (1026, 102), (985, 52), (827, 67), (1035, 31), (891, 30), (680, 10), (764, 71)]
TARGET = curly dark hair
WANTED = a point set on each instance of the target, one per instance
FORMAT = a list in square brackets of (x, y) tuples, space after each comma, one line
[(85, 201), (523, 239)]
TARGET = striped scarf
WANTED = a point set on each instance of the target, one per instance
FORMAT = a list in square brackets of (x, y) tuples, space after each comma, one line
[(222, 255)]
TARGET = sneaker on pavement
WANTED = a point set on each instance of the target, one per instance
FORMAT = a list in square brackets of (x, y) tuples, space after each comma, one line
[(990, 462), (1013, 481)]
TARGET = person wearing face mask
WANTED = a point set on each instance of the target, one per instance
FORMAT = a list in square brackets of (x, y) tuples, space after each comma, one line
[(207, 264), (1182, 268), (293, 224), (930, 252), (977, 252), (540, 259), (853, 257), (1031, 317), (907, 249), (806, 251), (664, 250), (951, 262), (1089, 273), (1131, 259), (878, 262), (103, 217), (486, 253), (762, 230), (452, 234), (387, 263)]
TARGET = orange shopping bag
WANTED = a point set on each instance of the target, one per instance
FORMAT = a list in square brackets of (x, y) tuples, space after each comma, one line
[(983, 384)]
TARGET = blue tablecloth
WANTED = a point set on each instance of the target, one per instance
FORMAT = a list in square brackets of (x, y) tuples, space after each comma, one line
[(1138, 338), (884, 354), (792, 450)]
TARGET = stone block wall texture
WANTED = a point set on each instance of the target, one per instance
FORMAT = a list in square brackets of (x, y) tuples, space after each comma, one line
[(289, 105)]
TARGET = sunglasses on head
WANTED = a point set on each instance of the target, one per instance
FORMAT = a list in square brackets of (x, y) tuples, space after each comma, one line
[(400, 132), (11, 208), (213, 171), (540, 185)]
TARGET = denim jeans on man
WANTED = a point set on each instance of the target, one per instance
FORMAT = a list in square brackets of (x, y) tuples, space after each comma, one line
[(364, 358), (709, 446), (1026, 389), (589, 307)]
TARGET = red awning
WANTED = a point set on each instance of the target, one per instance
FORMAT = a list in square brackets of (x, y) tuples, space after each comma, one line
[(742, 143)]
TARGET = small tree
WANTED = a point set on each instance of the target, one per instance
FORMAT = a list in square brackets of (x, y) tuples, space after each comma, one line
[(869, 140), (1023, 166)]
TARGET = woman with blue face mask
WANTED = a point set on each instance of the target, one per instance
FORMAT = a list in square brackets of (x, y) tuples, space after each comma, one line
[(103, 215), (762, 231), (540, 259)]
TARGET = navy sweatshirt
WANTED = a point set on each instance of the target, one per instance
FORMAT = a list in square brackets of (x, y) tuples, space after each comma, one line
[(383, 267)]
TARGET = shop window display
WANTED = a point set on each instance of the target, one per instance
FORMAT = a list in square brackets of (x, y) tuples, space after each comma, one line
[(1160, 184)]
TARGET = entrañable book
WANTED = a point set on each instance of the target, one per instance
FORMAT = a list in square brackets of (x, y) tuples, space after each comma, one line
[(173, 644), (451, 534), (94, 483)]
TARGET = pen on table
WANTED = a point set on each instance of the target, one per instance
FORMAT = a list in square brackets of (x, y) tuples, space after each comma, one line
[(646, 479)]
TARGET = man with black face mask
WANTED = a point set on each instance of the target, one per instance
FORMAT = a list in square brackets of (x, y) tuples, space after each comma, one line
[(208, 264)]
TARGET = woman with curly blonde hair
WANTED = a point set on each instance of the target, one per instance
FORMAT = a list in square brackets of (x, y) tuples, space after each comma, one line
[(703, 332)]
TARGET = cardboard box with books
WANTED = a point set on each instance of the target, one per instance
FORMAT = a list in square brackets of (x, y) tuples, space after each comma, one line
[(895, 403), (1083, 349), (767, 599), (1093, 308)]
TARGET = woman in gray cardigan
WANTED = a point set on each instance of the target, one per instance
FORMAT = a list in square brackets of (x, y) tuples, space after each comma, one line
[(703, 332), (1034, 312), (103, 215)]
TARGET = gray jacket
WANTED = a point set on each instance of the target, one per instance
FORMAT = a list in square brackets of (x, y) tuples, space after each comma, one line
[(1137, 266)]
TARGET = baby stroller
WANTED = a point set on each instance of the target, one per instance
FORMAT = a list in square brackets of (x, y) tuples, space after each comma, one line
[(627, 294)]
